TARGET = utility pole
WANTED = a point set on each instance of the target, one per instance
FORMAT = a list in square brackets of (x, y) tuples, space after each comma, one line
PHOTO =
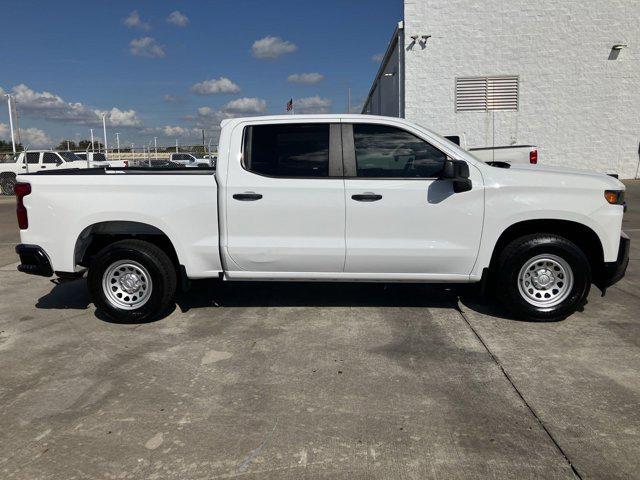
[(155, 146), (13, 142), (92, 149), (118, 144), (349, 101), (104, 134), (203, 141)]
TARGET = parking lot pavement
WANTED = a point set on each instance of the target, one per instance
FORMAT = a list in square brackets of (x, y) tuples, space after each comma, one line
[(285, 380)]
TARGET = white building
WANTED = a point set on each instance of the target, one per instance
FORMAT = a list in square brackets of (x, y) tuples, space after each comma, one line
[(562, 75)]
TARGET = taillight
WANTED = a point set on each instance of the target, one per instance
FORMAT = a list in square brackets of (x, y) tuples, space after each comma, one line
[(126, 163), (533, 157), (22, 190)]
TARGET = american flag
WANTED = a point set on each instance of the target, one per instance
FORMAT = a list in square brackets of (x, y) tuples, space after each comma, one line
[(290, 105)]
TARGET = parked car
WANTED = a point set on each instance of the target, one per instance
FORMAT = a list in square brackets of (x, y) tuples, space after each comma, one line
[(190, 160), (99, 159), (37, 160), (505, 154), (328, 198)]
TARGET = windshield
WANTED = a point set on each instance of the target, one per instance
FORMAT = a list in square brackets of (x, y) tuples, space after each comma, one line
[(70, 156)]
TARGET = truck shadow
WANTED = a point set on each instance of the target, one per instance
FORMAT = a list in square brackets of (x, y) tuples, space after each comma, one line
[(217, 294)]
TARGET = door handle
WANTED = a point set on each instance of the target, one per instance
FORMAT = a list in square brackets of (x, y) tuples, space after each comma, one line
[(247, 197), (44, 166), (366, 197)]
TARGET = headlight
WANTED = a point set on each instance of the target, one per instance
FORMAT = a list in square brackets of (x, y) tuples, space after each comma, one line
[(614, 197)]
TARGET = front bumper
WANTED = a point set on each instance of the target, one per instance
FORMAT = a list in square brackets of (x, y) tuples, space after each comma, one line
[(612, 272), (33, 260)]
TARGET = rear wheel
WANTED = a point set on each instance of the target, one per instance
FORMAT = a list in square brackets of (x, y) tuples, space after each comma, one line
[(542, 277), (7, 182), (132, 281)]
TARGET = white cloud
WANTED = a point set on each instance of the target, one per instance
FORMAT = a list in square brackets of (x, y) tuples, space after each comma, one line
[(210, 87), (306, 78), (209, 119), (271, 47), (178, 131), (52, 107), (377, 57), (133, 20), (146, 47), (5, 132), (171, 98), (178, 19), (35, 138), (121, 118), (314, 104), (245, 106)]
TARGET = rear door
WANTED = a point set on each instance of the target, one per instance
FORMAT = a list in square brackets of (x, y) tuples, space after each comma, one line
[(285, 207), (50, 160), (401, 218)]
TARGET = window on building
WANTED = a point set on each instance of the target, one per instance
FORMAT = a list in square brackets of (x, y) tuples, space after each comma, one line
[(481, 94), (389, 152), (287, 150)]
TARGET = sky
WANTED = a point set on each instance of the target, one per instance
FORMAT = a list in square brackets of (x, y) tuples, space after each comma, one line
[(168, 68)]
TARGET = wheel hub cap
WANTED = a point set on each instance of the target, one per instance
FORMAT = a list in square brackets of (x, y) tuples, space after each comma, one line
[(126, 284), (545, 280)]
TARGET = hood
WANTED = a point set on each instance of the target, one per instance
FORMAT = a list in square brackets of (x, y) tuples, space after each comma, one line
[(611, 182)]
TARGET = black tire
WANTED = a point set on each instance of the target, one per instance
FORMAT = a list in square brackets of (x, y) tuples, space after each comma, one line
[(7, 183), (160, 269), (513, 293)]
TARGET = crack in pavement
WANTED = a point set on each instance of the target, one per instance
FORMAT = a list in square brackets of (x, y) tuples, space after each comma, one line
[(519, 393)]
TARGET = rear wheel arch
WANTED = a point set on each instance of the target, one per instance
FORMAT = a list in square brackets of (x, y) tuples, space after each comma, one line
[(97, 236)]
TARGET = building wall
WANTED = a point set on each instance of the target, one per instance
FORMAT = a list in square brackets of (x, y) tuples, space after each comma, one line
[(384, 97), (581, 108)]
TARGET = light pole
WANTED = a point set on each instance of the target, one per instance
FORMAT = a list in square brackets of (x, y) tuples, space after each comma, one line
[(118, 145), (133, 156), (92, 149), (155, 146), (13, 142), (176, 145), (104, 134)]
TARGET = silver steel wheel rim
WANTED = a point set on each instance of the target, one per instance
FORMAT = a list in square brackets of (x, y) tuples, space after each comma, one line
[(545, 280), (127, 285)]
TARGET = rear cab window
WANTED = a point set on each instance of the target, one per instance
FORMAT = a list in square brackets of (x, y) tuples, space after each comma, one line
[(287, 150)]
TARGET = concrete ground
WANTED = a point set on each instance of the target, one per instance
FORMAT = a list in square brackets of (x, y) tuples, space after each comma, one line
[(310, 381)]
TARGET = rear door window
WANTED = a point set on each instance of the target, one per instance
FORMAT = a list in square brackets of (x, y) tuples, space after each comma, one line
[(33, 157), (50, 157), (287, 150)]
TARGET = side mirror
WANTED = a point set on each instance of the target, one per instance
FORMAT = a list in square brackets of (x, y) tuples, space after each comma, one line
[(458, 172)]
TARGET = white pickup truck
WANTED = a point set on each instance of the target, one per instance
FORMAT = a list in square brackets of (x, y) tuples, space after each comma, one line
[(36, 160), (190, 160), (523, 154), (328, 198)]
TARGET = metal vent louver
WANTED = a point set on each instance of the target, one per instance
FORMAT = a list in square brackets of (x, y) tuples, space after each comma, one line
[(480, 94)]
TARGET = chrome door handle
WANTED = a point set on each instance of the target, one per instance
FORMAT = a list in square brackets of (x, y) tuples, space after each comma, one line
[(247, 197), (366, 197)]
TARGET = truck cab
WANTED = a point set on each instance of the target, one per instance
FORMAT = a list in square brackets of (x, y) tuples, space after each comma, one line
[(36, 160)]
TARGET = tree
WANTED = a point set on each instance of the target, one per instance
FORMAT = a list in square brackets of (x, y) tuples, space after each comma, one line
[(84, 144), (67, 145), (7, 146)]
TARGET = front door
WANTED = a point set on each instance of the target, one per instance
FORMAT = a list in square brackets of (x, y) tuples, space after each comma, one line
[(403, 220), (285, 200)]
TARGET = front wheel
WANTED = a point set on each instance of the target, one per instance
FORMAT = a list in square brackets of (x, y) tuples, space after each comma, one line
[(542, 277), (132, 281)]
